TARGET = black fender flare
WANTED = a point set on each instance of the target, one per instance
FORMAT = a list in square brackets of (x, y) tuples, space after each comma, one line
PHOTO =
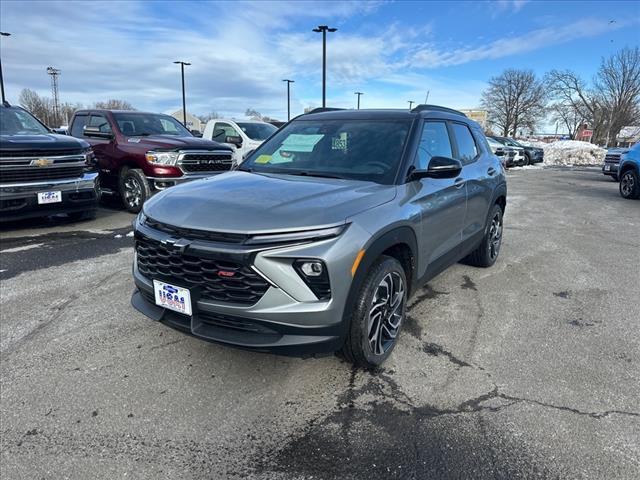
[(372, 251)]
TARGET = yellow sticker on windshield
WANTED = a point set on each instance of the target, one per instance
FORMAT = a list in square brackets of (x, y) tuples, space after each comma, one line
[(263, 159)]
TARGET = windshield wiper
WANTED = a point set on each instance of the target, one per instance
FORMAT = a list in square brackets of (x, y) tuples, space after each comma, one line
[(313, 174)]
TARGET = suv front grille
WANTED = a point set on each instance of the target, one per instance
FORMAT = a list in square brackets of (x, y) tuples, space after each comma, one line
[(612, 158), (39, 174), (196, 234), (240, 285), (197, 162)]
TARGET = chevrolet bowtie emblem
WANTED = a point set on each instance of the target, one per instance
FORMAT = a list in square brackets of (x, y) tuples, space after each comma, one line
[(41, 162)]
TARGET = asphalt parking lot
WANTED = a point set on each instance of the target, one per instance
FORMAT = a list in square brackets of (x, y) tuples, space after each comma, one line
[(530, 369)]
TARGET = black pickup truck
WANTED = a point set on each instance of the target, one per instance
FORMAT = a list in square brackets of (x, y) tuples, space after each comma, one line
[(42, 173)]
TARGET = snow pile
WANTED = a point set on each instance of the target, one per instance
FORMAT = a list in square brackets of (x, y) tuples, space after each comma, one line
[(573, 152)]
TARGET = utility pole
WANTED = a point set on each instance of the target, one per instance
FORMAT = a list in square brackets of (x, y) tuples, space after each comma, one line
[(289, 82), (411, 102), (184, 102), (358, 94), (324, 29), (55, 73), (4, 34)]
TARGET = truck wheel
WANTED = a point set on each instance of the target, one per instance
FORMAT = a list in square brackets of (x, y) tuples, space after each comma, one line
[(487, 252), (630, 184), (134, 189), (378, 314)]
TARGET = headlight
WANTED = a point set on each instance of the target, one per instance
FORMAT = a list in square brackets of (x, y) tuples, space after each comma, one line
[(162, 158), (141, 218)]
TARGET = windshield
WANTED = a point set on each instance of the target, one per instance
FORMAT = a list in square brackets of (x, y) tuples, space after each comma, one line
[(143, 124), (511, 142), (257, 131), (355, 149), (15, 121)]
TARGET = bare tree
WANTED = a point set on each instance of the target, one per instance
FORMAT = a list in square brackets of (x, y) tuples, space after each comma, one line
[(113, 104), (208, 116), (252, 113), (40, 107), (515, 99), (565, 114), (612, 101)]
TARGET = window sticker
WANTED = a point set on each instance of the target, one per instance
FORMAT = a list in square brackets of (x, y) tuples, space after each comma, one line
[(263, 159)]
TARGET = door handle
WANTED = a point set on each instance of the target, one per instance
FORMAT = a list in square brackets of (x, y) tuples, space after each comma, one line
[(459, 183), (491, 171)]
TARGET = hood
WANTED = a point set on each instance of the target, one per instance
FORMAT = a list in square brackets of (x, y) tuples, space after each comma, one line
[(242, 202), (171, 141), (46, 142), (618, 150)]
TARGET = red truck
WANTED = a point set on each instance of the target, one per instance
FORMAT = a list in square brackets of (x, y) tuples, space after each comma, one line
[(139, 153)]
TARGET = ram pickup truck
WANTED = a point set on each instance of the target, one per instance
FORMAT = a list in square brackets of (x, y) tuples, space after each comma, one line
[(140, 153), (42, 173)]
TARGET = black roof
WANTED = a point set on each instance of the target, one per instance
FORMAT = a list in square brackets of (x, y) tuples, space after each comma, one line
[(431, 111)]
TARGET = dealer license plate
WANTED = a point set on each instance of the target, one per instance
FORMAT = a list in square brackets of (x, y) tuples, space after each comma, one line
[(607, 168), (174, 298), (49, 197)]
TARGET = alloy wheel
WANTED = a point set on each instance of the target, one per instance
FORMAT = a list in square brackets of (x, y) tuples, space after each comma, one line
[(132, 192), (627, 184), (386, 313), (495, 236)]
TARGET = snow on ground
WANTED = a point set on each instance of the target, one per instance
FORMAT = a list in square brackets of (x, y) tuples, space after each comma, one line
[(572, 152)]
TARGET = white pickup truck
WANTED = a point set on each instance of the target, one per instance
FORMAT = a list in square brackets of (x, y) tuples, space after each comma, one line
[(241, 135)]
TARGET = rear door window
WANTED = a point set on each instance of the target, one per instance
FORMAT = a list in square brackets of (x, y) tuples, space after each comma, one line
[(467, 148)]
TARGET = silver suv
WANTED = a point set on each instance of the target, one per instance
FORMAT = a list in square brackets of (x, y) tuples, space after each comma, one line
[(318, 239)]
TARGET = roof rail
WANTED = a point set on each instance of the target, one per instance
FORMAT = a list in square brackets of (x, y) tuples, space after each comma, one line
[(324, 109), (436, 108)]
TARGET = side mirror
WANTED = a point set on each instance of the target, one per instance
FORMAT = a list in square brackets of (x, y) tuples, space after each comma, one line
[(94, 132), (234, 140), (439, 167)]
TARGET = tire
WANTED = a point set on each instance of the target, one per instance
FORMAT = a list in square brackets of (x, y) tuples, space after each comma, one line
[(630, 184), (82, 216), (527, 159), (384, 275), (487, 252), (134, 189)]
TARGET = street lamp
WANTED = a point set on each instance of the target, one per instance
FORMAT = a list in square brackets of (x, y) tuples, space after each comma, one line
[(411, 102), (289, 82), (358, 94), (324, 29), (4, 34), (184, 103)]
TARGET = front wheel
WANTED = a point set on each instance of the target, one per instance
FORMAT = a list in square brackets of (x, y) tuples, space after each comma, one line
[(629, 185), (378, 314), (134, 189), (527, 160)]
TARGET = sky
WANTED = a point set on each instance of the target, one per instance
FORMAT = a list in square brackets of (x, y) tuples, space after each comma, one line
[(393, 51)]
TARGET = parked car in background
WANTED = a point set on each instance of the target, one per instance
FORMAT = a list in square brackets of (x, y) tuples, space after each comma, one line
[(320, 237), (519, 158), (531, 154), (241, 135), (42, 173), (612, 162), (506, 154), (629, 173), (140, 153)]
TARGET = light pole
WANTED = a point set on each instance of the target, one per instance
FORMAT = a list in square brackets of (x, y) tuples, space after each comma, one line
[(411, 102), (289, 82), (324, 29), (358, 94), (4, 34), (184, 103)]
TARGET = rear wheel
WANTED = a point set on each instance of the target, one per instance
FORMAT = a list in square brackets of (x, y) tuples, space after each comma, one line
[(134, 189), (630, 184), (487, 252), (378, 314)]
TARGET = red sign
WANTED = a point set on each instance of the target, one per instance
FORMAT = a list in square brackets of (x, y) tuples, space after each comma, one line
[(586, 133)]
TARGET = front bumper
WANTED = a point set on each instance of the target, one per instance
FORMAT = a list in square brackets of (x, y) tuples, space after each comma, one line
[(610, 169), (20, 200), (287, 319), (160, 183)]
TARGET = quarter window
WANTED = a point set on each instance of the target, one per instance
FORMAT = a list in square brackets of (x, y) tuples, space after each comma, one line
[(433, 143), (467, 149)]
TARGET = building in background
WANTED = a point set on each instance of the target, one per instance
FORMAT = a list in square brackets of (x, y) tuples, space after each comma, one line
[(479, 116), (193, 122), (628, 136)]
